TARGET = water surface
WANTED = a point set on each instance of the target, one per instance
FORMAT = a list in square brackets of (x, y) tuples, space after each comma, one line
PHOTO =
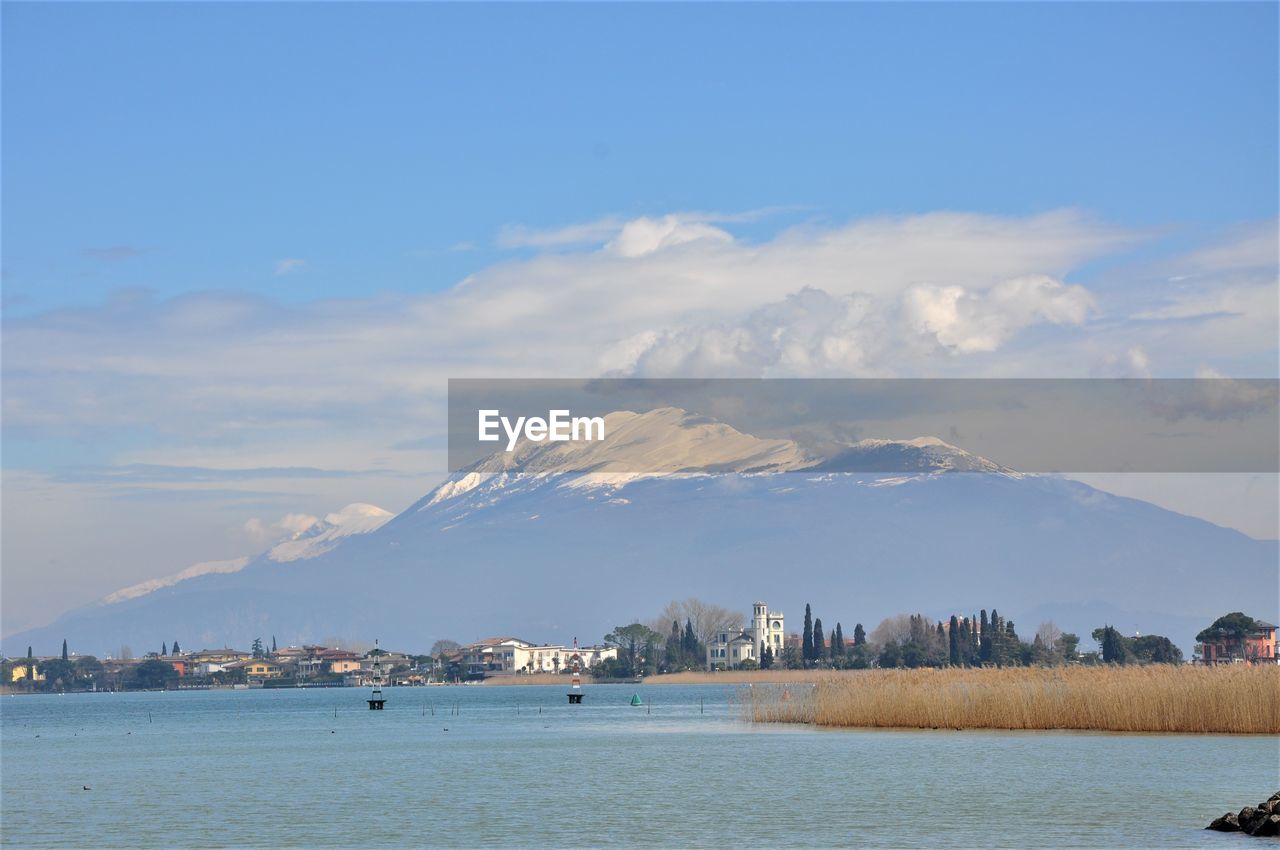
[(517, 766)]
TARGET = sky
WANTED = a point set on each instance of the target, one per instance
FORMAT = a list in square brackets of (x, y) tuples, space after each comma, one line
[(245, 245)]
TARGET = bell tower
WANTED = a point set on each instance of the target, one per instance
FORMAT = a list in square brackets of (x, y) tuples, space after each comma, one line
[(759, 625)]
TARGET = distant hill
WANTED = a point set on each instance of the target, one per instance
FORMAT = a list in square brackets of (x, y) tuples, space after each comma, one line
[(529, 544)]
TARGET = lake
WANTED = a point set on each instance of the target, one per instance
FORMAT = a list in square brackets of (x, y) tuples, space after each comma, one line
[(517, 766)]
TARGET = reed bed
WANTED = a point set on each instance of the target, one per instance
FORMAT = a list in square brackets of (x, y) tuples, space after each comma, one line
[(1159, 698)]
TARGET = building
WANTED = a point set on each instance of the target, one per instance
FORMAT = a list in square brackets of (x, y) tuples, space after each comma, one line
[(18, 670), (501, 656), (258, 668), (1259, 647), (216, 656), (728, 649)]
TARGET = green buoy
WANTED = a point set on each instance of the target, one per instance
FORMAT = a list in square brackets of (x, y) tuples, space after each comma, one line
[(635, 700)]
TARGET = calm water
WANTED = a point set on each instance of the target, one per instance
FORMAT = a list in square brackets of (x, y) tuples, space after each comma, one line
[(280, 768)]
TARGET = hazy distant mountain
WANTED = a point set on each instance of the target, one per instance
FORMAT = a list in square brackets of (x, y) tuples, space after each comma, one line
[(518, 545)]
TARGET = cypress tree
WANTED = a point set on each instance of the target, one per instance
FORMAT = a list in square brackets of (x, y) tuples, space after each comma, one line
[(690, 642), (859, 636), (176, 650), (953, 640), (819, 645), (164, 648), (837, 642), (64, 649), (673, 654), (31, 667), (273, 643), (806, 647), (984, 638)]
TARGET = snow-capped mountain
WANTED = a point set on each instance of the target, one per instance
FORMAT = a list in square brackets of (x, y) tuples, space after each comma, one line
[(315, 538), (327, 533), (554, 541)]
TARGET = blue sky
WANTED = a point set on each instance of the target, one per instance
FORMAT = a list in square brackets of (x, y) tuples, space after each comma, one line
[(184, 147), (245, 245)]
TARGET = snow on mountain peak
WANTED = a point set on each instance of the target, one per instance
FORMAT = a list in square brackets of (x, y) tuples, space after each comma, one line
[(671, 441), (357, 518), (142, 588)]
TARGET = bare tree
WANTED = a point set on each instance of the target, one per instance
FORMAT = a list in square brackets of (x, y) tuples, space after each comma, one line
[(707, 618), (1049, 635), (443, 647), (895, 629)]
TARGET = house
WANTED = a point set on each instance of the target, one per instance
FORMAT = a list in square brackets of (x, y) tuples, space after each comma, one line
[(216, 656), (18, 672), (495, 655), (730, 648), (1259, 647), (258, 668), (177, 662), (505, 656)]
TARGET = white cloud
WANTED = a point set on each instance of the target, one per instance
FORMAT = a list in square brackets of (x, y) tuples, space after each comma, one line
[(244, 379), (289, 265), (263, 534)]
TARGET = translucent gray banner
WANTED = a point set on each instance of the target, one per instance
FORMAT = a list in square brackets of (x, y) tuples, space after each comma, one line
[(861, 425)]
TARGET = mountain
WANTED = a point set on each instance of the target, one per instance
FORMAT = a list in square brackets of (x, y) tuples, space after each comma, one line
[(554, 541)]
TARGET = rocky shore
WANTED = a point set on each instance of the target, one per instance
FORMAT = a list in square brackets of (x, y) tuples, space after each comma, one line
[(1260, 820)]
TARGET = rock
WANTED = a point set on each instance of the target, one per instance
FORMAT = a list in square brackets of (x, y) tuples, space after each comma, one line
[(1247, 816), (1227, 823), (1269, 825)]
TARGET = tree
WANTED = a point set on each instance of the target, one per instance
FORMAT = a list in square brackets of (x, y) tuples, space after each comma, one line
[(984, 638), (58, 674), (88, 666), (706, 619), (1232, 630), (31, 667), (1067, 644), (443, 647), (164, 648), (1112, 645), (152, 673), (177, 650), (273, 644), (689, 644), (673, 653), (64, 649), (859, 635), (953, 641), (1154, 649), (791, 659), (256, 648), (806, 646), (631, 642), (837, 643), (819, 642), (1049, 639), (766, 656)]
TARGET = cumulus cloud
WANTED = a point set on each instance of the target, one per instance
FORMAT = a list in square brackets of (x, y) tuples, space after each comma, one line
[(814, 333), (226, 378)]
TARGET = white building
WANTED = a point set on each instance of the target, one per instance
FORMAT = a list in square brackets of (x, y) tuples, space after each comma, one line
[(508, 656), (731, 648)]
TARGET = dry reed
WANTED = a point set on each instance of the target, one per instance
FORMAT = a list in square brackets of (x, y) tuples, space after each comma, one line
[(1159, 698)]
